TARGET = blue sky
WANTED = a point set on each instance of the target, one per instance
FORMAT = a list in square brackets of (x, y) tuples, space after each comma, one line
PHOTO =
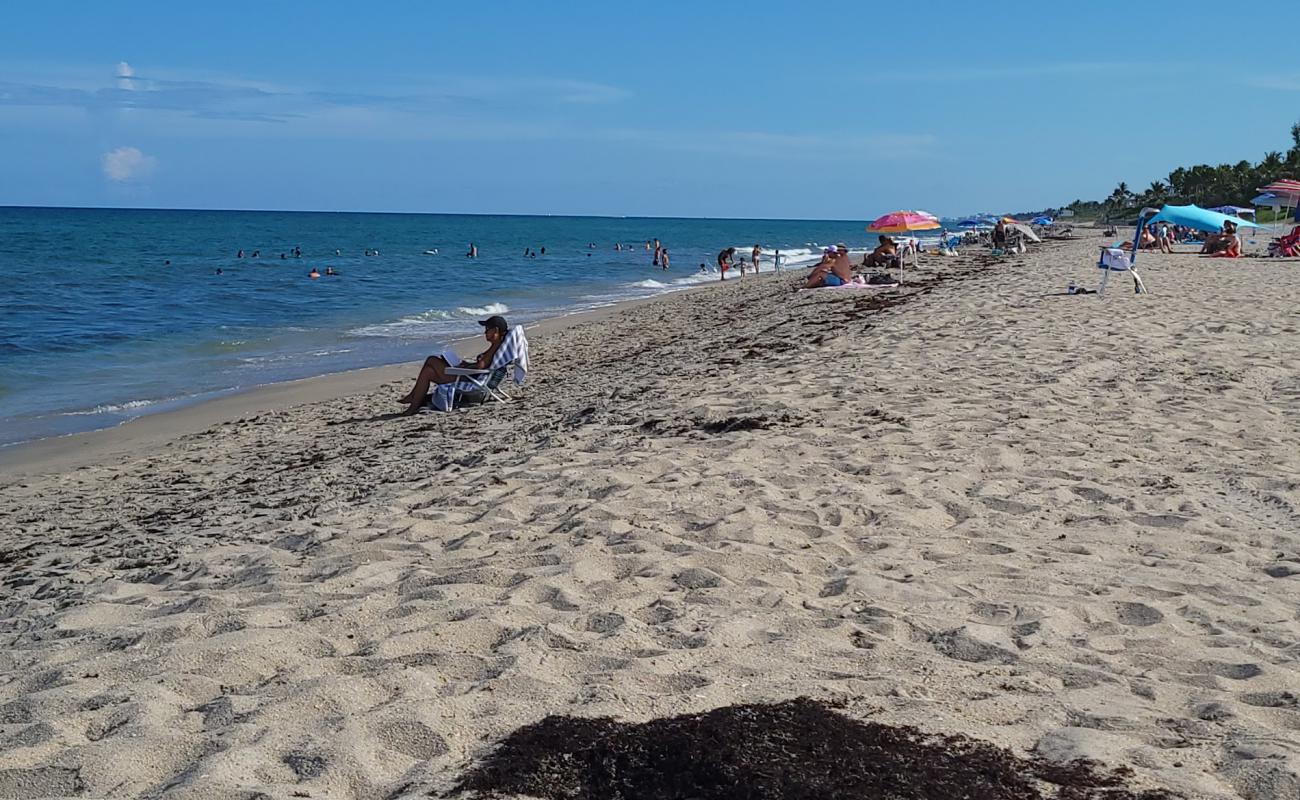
[(754, 109)]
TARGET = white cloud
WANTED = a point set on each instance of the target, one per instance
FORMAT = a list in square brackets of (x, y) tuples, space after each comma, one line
[(124, 76), (127, 164), (1281, 83)]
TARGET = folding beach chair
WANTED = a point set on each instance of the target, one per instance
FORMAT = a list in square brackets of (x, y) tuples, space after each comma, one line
[(473, 386), (1114, 259)]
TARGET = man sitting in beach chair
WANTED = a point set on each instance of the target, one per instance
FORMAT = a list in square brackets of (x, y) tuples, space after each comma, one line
[(885, 256), (462, 382)]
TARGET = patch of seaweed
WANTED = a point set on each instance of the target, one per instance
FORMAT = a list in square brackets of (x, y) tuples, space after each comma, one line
[(795, 750)]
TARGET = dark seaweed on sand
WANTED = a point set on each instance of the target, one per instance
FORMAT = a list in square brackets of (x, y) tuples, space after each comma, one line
[(796, 750)]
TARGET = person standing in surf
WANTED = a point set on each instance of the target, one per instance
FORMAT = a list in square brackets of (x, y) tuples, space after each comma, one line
[(724, 261)]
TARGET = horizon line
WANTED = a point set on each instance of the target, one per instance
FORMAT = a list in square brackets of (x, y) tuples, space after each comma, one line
[(425, 213)]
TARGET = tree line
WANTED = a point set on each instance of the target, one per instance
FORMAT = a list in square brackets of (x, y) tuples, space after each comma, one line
[(1205, 185)]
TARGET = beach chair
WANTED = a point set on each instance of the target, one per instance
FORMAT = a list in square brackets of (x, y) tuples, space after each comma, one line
[(476, 386), (1114, 259)]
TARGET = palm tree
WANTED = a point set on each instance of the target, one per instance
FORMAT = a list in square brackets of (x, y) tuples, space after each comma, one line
[(1156, 194)]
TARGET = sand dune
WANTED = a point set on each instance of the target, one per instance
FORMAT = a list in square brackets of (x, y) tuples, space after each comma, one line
[(973, 504)]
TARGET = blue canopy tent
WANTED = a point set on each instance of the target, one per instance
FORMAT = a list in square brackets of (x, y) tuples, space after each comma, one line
[(1043, 220), (969, 223), (1192, 216)]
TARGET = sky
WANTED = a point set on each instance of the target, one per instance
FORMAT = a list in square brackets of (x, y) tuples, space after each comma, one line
[(825, 110)]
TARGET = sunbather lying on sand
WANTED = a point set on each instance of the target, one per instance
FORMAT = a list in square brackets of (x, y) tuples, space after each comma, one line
[(435, 367)]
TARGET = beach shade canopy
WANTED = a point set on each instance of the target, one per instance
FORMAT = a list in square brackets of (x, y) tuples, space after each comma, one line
[(1043, 220), (1234, 211), (1202, 219), (1266, 199), (970, 223), (905, 221)]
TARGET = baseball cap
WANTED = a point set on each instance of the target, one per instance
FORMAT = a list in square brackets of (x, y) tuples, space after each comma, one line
[(497, 322)]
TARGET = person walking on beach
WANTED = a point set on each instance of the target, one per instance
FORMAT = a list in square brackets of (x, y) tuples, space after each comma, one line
[(753, 256)]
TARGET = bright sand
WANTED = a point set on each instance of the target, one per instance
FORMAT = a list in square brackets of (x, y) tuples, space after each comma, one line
[(1052, 522)]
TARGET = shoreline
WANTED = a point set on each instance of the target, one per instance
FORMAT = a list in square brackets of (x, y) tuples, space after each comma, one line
[(132, 436)]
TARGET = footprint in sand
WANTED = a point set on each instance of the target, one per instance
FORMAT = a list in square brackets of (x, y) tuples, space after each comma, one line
[(1138, 615), (961, 646), (1271, 700)]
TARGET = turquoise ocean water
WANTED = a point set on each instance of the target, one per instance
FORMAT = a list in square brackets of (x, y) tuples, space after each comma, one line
[(97, 328)]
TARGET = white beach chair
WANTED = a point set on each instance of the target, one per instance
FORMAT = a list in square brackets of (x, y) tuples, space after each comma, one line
[(1114, 259), (474, 386)]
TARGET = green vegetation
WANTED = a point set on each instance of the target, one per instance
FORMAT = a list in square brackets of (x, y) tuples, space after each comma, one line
[(1205, 185)]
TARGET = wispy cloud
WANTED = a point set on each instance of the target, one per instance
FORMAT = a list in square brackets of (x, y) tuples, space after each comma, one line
[(766, 144), (1281, 83), (128, 165), (986, 73), (254, 101)]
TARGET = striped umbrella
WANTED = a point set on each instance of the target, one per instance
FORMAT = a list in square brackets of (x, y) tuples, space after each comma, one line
[(1283, 188), (904, 222)]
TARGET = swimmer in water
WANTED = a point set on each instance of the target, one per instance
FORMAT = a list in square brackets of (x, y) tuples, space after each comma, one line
[(240, 254), (330, 271), (257, 254), (167, 263), (313, 273), (219, 271), (473, 251)]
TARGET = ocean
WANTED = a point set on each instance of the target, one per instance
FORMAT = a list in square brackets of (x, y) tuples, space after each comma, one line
[(109, 314)]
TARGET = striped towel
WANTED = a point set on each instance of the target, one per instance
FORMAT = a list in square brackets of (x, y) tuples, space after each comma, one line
[(514, 350)]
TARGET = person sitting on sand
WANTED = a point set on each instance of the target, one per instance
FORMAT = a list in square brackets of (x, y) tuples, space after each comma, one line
[(833, 270), (1227, 244), (435, 367), (1218, 242)]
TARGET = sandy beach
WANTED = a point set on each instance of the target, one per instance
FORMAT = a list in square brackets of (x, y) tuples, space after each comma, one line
[(974, 504)]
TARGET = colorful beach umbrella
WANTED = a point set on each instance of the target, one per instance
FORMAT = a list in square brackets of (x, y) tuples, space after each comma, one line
[(904, 222), (1283, 188)]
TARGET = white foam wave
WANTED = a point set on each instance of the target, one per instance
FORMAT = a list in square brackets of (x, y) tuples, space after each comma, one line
[(490, 308), (112, 408), (428, 323), (650, 284)]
